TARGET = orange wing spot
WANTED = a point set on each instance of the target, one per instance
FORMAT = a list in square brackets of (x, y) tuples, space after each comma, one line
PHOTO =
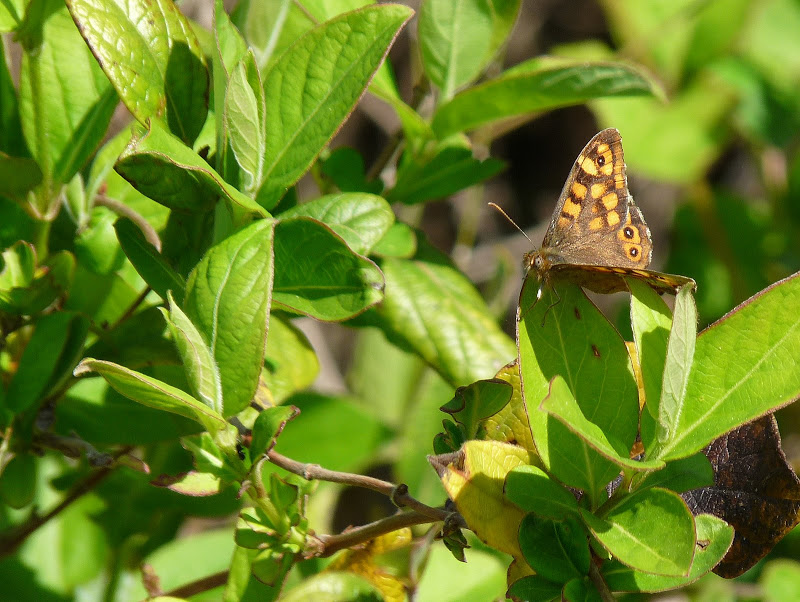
[(587, 165), (608, 168), (629, 234), (619, 181), (578, 190), (598, 190), (572, 208), (612, 218), (597, 223), (610, 200), (563, 222), (602, 148), (632, 251)]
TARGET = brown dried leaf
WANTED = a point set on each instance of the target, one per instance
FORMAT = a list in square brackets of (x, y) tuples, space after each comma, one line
[(755, 491)]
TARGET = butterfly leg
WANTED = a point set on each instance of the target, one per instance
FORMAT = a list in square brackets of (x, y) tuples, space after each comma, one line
[(552, 305)]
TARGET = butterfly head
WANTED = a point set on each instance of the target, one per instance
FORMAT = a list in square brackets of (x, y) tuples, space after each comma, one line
[(538, 261)]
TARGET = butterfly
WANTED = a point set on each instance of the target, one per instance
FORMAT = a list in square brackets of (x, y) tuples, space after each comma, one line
[(597, 236)]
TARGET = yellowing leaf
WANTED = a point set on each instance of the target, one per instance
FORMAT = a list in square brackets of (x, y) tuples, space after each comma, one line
[(473, 478), (510, 424), (363, 562)]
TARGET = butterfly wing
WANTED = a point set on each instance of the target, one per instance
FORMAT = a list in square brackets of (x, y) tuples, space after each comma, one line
[(596, 221), (606, 279)]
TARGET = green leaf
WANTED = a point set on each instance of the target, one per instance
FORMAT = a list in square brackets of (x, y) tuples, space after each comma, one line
[(193, 483), (416, 130), (27, 289), (534, 588), (228, 298), (18, 481), (103, 177), (535, 86), (324, 422), (532, 489), (360, 219), (291, 364), (137, 342), (318, 275), (201, 371), (96, 245), (11, 15), (152, 58), (457, 39), (564, 334), (11, 140), (314, 86), (476, 402), (650, 530), (49, 357), (400, 241), (334, 585), (149, 263), (651, 321), (105, 417), (714, 537), (152, 392), (682, 475), (744, 368), (230, 49), (562, 405), (193, 557), (781, 579), (433, 309), (163, 168), (345, 167), (18, 176), (680, 353), (581, 589), (245, 121), (262, 23), (267, 427), (65, 101), (451, 168), (694, 125), (558, 551)]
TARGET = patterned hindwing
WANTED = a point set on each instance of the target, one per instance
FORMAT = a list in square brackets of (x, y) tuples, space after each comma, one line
[(634, 241)]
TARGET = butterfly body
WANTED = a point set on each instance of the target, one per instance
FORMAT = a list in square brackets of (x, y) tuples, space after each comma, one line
[(598, 237)]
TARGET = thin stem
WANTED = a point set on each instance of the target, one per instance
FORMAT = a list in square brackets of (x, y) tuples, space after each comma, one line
[(398, 493), (122, 209), (199, 586), (331, 544), (41, 238), (386, 155), (13, 538), (600, 583), (132, 309), (311, 472)]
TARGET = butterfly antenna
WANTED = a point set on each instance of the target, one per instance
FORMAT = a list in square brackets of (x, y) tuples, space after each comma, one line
[(513, 223)]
